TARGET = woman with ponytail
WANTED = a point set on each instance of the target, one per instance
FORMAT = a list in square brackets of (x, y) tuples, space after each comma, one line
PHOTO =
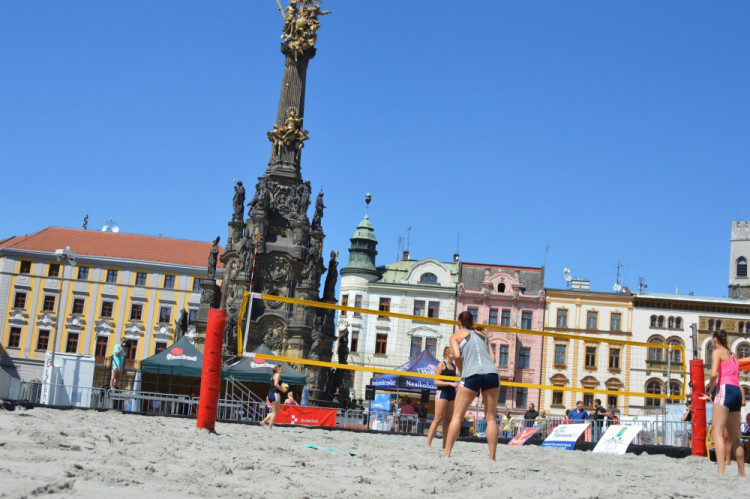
[(274, 396), (728, 398), (476, 362)]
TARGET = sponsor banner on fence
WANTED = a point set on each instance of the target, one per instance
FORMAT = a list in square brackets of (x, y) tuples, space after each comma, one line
[(522, 437), (565, 436), (616, 439), (306, 416)]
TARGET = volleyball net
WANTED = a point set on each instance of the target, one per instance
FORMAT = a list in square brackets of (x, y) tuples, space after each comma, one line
[(572, 366)]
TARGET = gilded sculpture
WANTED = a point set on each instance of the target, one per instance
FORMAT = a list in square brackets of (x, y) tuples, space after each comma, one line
[(301, 25)]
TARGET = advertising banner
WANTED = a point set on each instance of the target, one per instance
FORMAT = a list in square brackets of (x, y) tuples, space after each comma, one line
[(616, 439), (522, 437), (306, 416), (565, 436)]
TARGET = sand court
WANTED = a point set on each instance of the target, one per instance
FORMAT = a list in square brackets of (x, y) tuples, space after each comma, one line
[(74, 453)]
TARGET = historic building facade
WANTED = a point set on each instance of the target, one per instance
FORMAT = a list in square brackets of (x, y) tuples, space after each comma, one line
[(687, 321), (581, 363), (80, 291), (424, 287), (512, 297), (739, 254)]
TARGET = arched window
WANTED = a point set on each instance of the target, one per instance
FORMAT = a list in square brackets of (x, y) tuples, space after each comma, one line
[(653, 321), (742, 267), (740, 327), (428, 278), (656, 354), (676, 355), (710, 324), (678, 322), (743, 351), (675, 390), (718, 324), (653, 386), (709, 353), (670, 322), (660, 322), (501, 287)]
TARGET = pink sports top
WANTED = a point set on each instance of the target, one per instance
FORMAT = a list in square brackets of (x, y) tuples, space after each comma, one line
[(729, 372)]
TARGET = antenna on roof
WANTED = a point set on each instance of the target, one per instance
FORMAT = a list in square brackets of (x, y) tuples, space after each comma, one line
[(567, 276), (617, 286), (408, 238)]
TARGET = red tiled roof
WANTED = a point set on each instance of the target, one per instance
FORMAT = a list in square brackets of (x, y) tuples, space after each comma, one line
[(115, 245)]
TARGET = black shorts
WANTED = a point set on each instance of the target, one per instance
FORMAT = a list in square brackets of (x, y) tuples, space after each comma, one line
[(446, 393), (481, 382)]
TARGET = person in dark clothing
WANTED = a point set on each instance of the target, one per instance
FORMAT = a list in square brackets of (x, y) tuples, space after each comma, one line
[(599, 416), (529, 416)]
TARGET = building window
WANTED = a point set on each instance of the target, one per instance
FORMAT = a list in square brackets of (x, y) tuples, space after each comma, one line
[(416, 346), (192, 315), (501, 287), (354, 345), (71, 346), (419, 308), (78, 306), (165, 315), (168, 282), (670, 322), (42, 342), (474, 311), (381, 343), (505, 318), (652, 323), (197, 284), (710, 324), (743, 351), (742, 267), (718, 325), (107, 308), (524, 358), (54, 270), (526, 319), (660, 322), (562, 317), (431, 346), (111, 276), (557, 398), (141, 278), (493, 317), (503, 357), (130, 352), (678, 322), (560, 351), (709, 354), (675, 392), (590, 361), (101, 349), (136, 312), (428, 278), (25, 267), (20, 300), (14, 338), (674, 353), (588, 400), (615, 321), (503, 395), (344, 303), (656, 354), (614, 358), (384, 305), (522, 394), (611, 402), (653, 387), (83, 273), (357, 304), (433, 309), (591, 318), (159, 347), (49, 303)]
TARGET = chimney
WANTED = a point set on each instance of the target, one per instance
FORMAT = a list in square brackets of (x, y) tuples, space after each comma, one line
[(580, 284), (455, 257), (406, 255)]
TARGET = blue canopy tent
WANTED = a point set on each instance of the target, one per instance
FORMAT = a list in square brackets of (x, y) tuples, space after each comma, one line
[(424, 363)]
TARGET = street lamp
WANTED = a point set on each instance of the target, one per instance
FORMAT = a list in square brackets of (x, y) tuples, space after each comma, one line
[(64, 255)]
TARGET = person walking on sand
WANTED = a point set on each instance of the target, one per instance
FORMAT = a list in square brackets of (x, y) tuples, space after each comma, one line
[(274, 396), (728, 399), (445, 396), (476, 362)]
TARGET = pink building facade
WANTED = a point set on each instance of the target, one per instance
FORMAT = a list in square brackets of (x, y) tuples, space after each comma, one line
[(508, 296)]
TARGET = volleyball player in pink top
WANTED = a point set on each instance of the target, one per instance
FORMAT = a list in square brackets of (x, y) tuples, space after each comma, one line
[(728, 398)]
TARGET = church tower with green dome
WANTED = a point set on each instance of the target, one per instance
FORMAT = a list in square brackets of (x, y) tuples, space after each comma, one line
[(362, 250)]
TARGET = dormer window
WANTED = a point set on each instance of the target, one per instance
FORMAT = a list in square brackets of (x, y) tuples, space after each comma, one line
[(428, 278), (501, 287)]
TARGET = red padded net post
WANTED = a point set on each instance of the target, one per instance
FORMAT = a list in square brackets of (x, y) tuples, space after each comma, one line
[(699, 407), (211, 375)]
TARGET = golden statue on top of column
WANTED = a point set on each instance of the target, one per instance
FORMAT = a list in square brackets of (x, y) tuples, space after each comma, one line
[(301, 24)]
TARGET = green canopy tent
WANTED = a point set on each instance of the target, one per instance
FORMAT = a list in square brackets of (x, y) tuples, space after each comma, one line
[(255, 369), (180, 364)]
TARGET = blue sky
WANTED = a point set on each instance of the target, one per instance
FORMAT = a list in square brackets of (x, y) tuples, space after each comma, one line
[(605, 130)]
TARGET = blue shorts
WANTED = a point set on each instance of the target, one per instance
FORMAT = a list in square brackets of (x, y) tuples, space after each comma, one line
[(481, 382), (446, 393), (729, 396)]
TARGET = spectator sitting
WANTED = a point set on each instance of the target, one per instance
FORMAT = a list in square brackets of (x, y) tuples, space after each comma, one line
[(406, 409), (290, 399)]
